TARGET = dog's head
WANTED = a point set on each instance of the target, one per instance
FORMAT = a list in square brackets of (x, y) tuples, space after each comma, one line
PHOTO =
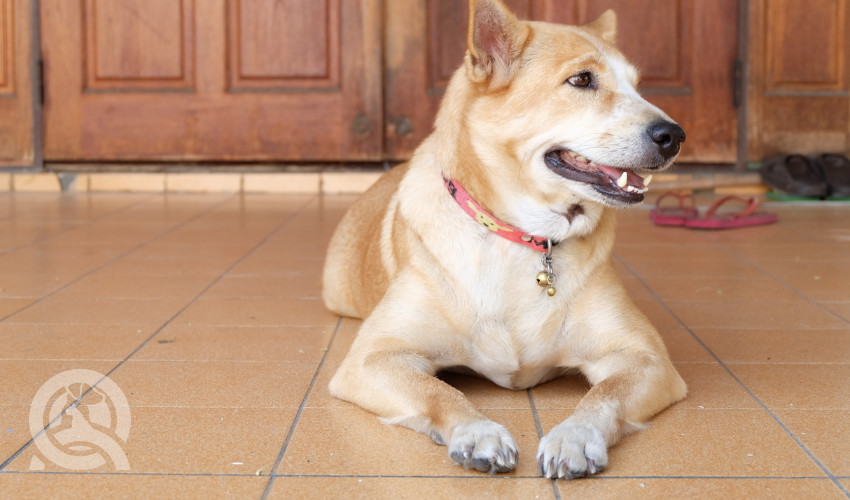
[(560, 102)]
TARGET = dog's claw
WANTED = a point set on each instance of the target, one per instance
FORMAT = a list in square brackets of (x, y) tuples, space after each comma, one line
[(571, 451), (484, 446)]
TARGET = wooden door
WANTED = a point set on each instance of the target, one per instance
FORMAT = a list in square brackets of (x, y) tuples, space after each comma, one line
[(16, 96), (685, 50), (213, 80), (799, 94)]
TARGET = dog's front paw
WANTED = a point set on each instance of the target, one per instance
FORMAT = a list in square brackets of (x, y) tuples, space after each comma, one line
[(572, 450), (483, 445)]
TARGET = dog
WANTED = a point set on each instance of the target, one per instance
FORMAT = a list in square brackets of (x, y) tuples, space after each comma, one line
[(490, 251)]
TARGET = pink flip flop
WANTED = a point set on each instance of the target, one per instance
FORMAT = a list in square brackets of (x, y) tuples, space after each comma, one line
[(743, 218), (674, 216)]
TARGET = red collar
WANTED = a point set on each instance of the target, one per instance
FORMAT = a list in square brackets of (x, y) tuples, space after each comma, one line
[(492, 223)]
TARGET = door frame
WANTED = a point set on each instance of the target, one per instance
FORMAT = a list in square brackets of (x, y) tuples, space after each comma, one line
[(37, 164)]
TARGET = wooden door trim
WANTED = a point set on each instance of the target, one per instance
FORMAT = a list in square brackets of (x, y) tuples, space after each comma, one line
[(34, 58)]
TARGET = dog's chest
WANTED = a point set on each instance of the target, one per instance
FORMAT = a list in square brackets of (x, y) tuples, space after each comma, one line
[(517, 329)]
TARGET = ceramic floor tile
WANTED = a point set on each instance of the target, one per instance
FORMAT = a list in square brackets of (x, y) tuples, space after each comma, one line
[(710, 289), (657, 314), (778, 345), (258, 312), (682, 347), (826, 433), (562, 393), (825, 280), (224, 384), (705, 443), (721, 266), (34, 485), (9, 307), (21, 379), (14, 430), (761, 315), (711, 387), (99, 311), (369, 488), (842, 309), (71, 342), (102, 284), (351, 441), (294, 285), (16, 285), (700, 488), (785, 387), (191, 441), (179, 342)]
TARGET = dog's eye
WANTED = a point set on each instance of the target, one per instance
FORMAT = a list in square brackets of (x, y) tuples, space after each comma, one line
[(583, 80)]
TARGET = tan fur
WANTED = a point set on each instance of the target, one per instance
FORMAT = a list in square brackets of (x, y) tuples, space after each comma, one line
[(439, 291)]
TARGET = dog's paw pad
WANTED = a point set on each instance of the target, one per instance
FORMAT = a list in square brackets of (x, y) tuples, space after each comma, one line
[(484, 446), (572, 450)]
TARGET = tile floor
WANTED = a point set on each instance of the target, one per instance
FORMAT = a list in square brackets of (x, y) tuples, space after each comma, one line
[(204, 312)]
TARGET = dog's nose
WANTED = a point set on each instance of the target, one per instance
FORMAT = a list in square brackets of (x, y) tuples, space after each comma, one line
[(668, 136)]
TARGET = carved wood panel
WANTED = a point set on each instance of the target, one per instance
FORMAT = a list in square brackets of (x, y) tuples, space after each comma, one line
[(804, 47), (16, 98), (218, 80), (283, 45), (7, 47), (133, 45), (799, 96)]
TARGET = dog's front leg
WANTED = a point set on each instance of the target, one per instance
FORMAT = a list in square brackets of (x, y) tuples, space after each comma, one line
[(394, 378), (629, 387)]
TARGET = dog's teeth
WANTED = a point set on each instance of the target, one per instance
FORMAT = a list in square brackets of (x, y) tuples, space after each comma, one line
[(581, 159), (623, 180), (573, 154), (591, 164), (647, 180)]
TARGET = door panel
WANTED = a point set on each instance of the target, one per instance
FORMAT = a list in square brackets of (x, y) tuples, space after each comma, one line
[(212, 80), (138, 45), (800, 96), (268, 48), (16, 99), (426, 40)]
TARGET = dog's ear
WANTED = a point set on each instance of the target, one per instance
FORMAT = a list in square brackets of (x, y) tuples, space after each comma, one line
[(605, 26), (496, 38)]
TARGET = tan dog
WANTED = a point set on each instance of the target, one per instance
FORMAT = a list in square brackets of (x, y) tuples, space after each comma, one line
[(543, 130)]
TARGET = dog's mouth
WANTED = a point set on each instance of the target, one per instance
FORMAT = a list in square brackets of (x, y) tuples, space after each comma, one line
[(623, 186)]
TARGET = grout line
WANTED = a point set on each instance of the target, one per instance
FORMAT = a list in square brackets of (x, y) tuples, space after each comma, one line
[(758, 400), (72, 228), (384, 476), (297, 418), (534, 413), (167, 322), (784, 283), (116, 259)]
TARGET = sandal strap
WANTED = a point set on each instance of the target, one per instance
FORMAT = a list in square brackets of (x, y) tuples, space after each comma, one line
[(681, 197), (751, 206)]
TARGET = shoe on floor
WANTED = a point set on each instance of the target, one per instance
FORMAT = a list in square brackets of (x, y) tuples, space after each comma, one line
[(796, 175)]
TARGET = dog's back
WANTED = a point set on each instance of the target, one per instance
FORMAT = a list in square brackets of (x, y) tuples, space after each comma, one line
[(354, 278)]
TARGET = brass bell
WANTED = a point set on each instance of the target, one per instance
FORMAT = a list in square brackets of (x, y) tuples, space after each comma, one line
[(551, 291), (542, 278)]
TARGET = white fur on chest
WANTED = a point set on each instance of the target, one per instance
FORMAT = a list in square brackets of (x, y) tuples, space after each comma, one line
[(513, 332)]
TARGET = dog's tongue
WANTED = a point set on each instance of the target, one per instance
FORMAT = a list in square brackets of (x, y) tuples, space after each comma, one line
[(615, 173)]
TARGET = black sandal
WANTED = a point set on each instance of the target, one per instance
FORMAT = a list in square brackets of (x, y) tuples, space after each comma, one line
[(836, 170), (795, 174)]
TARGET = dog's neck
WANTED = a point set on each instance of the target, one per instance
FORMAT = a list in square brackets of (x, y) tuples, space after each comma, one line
[(491, 222)]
